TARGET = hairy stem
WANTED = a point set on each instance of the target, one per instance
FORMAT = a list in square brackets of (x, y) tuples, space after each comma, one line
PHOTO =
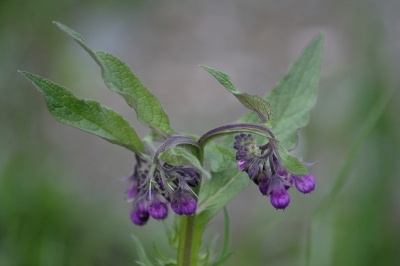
[(222, 131), (189, 241)]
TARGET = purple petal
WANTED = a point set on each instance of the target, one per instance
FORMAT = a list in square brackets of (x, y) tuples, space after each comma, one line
[(175, 207), (242, 164), (131, 193), (158, 210), (279, 198), (139, 217), (304, 184), (263, 185), (188, 206)]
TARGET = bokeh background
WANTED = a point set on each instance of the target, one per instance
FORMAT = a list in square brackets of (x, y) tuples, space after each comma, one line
[(61, 201)]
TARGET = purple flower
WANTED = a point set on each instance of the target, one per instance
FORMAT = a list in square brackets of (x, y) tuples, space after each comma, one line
[(183, 203), (158, 210), (280, 198), (304, 184), (263, 185), (264, 167), (139, 215), (242, 164), (132, 188)]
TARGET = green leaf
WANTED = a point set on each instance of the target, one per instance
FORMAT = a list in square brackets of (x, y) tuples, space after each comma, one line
[(173, 233), (213, 243), (86, 115), (204, 257), (141, 252), (295, 95), (223, 259), (118, 77), (219, 158), (227, 237), (181, 156), (292, 164), (253, 102), (217, 192), (162, 259)]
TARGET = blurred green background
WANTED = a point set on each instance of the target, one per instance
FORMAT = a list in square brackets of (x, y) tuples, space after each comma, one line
[(61, 202)]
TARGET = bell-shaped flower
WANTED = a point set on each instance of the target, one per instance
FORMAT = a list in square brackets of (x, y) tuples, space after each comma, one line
[(182, 202), (304, 184)]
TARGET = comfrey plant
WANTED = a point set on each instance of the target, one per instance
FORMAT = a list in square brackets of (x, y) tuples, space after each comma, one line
[(168, 166)]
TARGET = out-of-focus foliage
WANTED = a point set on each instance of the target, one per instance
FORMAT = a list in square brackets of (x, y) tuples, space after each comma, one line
[(42, 224), (46, 220)]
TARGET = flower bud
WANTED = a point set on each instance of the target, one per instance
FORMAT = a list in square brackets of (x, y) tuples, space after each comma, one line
[(139, 215), (188, 206), (263, 184), (304, 184), (158, 210), (183, 203), (280, 198)]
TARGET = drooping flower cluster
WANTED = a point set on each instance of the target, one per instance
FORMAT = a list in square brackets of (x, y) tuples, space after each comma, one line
[(152, 188), (265, 169)]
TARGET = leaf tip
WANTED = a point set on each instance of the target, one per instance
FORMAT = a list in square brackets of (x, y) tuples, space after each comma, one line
[(23, 73), (58, 24), (319, 38), (205, 67)]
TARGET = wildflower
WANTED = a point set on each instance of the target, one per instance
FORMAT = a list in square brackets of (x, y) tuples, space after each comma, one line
[(152, 187), (158, 209), (277, 189), (264, 168), (183, 203), (139, 214), (304, 184)]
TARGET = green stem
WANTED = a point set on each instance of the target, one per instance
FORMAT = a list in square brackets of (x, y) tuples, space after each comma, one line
[(189, 238), (185, 240), (189, 241)]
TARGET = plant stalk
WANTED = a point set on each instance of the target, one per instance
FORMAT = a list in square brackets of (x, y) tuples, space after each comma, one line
[(189, 240)]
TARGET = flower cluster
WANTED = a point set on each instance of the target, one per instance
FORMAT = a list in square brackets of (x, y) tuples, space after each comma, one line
[(265, 169), (152, 187)]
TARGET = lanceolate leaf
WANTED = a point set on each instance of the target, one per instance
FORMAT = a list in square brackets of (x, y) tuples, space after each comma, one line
[(227, 236), (295, 95), (291, 164), (223, 259), (86, 115), (253, 102), (217, 192), (142, 252), (118, 77)]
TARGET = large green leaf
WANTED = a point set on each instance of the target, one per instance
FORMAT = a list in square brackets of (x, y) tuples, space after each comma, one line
[(86, 115), (253, 102), (219, 158), (294, 95), (118, 77)]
